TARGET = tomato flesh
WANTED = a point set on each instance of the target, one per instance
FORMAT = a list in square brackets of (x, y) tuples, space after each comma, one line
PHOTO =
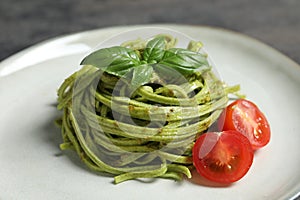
[(244, 116), (222, 157)]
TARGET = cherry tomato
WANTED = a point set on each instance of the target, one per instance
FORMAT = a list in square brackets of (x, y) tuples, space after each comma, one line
[(244, 116), (222, 157)]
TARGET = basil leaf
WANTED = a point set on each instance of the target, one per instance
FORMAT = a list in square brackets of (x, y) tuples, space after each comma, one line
[(155, 49), (114, 60), (185, 61), (141, 75)]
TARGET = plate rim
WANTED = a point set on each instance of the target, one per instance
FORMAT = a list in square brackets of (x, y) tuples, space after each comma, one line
[(167, 25)]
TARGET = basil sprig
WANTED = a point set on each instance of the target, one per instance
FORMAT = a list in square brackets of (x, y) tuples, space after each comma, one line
[(184, 61), (120, 61), (114, 60), (154, 50)]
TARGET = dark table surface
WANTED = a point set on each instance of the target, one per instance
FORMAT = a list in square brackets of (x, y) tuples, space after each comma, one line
[(27, 22)]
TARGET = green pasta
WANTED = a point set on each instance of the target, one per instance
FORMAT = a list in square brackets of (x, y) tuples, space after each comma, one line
[(134, 111)]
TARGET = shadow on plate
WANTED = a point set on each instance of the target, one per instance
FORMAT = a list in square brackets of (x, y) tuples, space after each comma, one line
[(200, 180)]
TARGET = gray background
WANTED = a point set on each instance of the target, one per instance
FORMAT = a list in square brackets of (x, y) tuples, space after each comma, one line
[(26, 22)]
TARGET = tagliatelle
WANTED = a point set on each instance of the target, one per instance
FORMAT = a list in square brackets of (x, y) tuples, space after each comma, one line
[(141, 132)]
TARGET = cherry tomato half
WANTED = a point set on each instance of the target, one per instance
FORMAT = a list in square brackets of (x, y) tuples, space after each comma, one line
[(222, 157), (244, 116)]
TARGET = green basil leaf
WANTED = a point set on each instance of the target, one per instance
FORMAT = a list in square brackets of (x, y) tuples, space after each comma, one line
[(141, 75), (114, 60), (185, 61), (155, 49)]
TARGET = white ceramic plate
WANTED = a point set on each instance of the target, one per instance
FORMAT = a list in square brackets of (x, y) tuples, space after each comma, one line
[(33, 167)]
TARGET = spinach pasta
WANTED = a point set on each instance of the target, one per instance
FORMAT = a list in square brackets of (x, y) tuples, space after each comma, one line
[(135, 110)]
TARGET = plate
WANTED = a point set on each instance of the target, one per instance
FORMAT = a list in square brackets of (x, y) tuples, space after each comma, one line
[(33, 167)]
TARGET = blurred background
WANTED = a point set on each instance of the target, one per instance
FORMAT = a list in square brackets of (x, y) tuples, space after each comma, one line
[(27, 22)]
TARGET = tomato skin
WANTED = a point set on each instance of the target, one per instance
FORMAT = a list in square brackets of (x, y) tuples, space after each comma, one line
[(222, 157), (244, 116)]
